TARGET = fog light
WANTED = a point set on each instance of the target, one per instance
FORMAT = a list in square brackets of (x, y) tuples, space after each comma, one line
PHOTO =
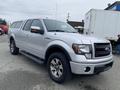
[(87, 69)]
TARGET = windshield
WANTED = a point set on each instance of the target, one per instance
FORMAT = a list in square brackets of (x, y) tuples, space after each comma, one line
[(58, 26), (3, 22)]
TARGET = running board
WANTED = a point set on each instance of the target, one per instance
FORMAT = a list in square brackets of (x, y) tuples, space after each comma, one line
[(35, 58)]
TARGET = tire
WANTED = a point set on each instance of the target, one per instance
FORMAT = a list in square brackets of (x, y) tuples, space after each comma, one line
[(98, 73), (13, 49), (6, 32), (58, 67), (1, 32)]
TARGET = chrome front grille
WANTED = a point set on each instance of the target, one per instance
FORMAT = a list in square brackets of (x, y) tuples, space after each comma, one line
[(102, 49)]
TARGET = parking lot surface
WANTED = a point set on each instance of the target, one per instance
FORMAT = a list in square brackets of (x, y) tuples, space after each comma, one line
[(21, 73)]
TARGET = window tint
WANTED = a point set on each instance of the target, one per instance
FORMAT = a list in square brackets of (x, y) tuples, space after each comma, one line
[(27, 25), (37, 23), (3, 22), (13, 25), (16, 24)]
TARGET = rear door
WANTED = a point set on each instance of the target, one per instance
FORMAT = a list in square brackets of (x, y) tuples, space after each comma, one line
[(24, 35)]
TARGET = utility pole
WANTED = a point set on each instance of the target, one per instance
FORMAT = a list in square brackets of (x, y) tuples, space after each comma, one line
[(68, 17)]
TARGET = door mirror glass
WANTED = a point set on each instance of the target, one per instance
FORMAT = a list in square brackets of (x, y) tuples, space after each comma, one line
[(35, 29)]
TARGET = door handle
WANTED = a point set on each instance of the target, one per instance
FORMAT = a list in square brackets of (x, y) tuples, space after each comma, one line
[(47, 38)]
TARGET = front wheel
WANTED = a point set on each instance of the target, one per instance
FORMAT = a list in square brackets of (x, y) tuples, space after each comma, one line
[(58, 67), (13, 49)]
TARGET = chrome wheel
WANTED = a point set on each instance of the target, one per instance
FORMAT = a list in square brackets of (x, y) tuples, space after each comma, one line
[(56, 67)]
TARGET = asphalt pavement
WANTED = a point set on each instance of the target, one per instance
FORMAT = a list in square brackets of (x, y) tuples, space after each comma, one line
[(21, 73)]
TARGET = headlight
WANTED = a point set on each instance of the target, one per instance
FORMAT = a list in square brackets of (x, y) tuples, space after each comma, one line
[(83, 49)]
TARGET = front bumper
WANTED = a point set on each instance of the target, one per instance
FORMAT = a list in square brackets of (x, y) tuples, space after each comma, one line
[(89, 68)]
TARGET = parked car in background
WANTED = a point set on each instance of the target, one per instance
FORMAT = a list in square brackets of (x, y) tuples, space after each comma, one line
[(4, 26), (1, 31), (60, 47)]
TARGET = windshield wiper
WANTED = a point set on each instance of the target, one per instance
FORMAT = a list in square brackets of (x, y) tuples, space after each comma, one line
[(74, 32), (56, 30)]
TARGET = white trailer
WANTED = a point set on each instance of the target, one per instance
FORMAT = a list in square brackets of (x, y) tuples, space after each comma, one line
[(102, 23)]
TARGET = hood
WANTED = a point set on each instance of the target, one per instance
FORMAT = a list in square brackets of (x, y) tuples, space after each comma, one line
[(76, 38)]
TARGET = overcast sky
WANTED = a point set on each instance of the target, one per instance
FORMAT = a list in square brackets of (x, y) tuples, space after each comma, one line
[(13, 10)]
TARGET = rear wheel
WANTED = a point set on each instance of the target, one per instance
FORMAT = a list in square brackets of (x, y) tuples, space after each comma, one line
[(13, 49), (58, 67)]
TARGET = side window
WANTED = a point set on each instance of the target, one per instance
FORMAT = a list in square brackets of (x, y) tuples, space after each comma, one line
[(27, 25), (18, 24), (13, 25), (37, 23)]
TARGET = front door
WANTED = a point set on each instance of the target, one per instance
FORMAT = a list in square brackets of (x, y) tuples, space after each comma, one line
[(36, 41)]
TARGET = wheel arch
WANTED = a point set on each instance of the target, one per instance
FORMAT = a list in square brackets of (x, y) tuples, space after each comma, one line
[(56, 48), (11, 36)]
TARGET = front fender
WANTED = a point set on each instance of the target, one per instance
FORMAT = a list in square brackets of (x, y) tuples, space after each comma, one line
[(62, 44)]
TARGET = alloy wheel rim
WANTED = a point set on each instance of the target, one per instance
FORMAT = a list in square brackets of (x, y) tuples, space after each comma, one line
[(56, 67)]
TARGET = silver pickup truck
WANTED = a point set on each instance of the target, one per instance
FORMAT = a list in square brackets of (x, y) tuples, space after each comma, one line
[(60, 47)]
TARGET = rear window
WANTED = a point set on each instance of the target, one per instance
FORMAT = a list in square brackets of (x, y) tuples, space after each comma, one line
[(27, 25), (16, 24)]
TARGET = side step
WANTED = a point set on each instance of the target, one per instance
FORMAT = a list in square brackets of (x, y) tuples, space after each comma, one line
[(35, 58)]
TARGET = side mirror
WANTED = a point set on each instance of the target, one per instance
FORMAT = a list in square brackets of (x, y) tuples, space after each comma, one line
[(35, 29)]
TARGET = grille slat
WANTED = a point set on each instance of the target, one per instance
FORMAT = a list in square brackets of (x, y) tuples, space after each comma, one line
[(102, 49)]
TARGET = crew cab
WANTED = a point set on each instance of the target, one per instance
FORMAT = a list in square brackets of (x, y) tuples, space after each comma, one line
[(60, 47)]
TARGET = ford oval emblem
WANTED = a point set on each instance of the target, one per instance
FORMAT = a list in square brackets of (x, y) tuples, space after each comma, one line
[(107, 49)]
